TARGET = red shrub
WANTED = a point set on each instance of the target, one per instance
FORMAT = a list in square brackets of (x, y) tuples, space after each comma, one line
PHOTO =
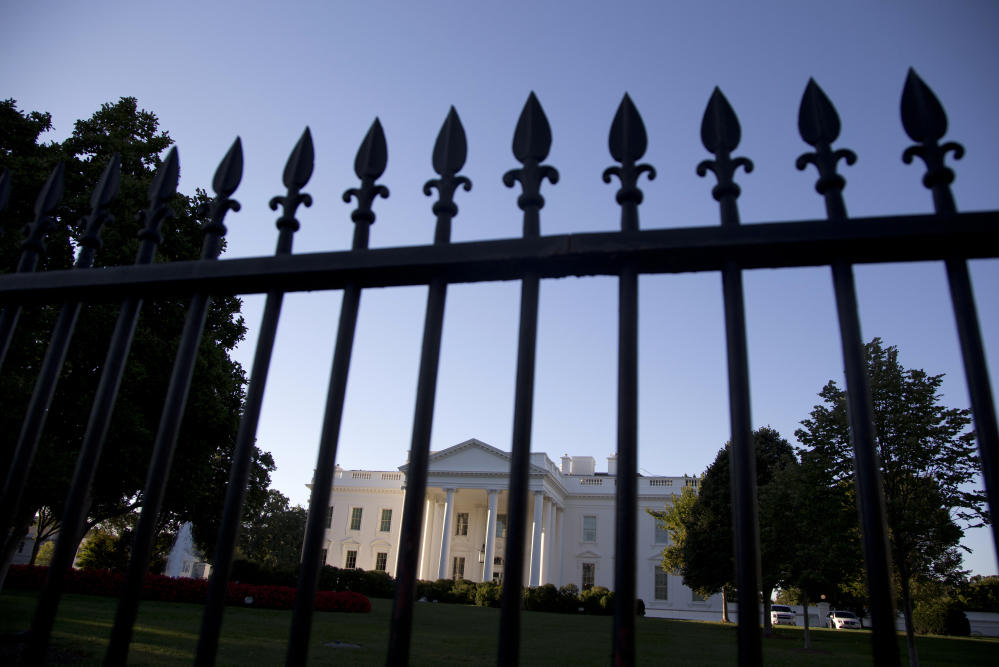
[(166, 589)]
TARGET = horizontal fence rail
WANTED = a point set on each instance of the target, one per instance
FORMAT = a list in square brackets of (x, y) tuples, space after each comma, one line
[(903, 238), (731, 248)]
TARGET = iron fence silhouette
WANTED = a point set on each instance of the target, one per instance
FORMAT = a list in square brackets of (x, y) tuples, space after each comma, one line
[(838, 242)]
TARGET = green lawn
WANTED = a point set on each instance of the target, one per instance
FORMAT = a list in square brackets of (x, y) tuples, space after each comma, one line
[(166, 635)]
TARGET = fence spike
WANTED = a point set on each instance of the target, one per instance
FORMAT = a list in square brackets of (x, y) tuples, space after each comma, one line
[(164, 184), (451, 147), (369, 165), (923, 117), (720, 134), (227, 178), (531, 142), (163, 187), (819, 126), (817, 117), (230, 171), (298, 169), (720, 129), (104, 193), (47, 201), (533, 137), (925, 121), (372, 156), (449, 157), (628, 142), (297, 172)]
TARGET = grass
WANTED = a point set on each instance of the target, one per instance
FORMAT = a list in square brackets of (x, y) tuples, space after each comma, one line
[(166, 635)]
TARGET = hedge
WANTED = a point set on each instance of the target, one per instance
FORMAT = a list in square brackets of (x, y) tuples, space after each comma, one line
[(167, 589)]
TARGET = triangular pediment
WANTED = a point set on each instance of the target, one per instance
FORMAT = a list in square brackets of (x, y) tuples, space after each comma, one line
[(588, 555), (472, 456)]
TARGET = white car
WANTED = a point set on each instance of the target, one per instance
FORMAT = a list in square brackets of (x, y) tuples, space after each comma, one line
[(782, 615), (842, 620)]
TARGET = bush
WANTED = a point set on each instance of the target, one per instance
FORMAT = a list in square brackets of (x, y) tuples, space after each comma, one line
[(592, 601), (372, 584), (489, 594), (166, 589), (939, 616), (640, 607), (248, 572)]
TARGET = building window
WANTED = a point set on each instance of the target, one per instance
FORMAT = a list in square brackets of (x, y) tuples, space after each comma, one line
[(500, 525), (589, 529), (461, 525), (329, 517), (498, 560), (589, 569), (662, 534), (351, 560), (386, 525), (355, 518), (697, 597), (498, 577), (381, 559), (662, 584), (324, 557), (458, 571)]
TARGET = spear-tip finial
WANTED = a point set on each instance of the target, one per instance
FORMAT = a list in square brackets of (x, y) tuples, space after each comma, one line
[(533, 137), (818, 121), (227, 178), (925, 121), (297, 172), (102, 196), (450, 151), (627, 142), (161, 190), (721, 134), (369, 165), (47, 201)]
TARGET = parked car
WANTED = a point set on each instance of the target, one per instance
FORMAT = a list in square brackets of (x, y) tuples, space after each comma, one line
[(782, 615), (842, 620)]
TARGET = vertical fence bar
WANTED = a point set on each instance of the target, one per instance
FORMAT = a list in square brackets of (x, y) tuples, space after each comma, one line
[(819, 126), (720, 134), (627, 142), (448, 159), (926, 122), (31, 249), (369, 166), (531, 143), (165, 442), (297, 172)]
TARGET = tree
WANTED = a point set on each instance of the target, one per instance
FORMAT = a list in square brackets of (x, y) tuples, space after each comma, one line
[(46, 527), (274, 535), (109, 545), (809, 525), (203, 456), (928, 460), (705, 556)]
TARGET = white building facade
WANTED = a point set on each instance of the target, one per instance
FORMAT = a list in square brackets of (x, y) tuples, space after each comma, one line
[(570, 524)]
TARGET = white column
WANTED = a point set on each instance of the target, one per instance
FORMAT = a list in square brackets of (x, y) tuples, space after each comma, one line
[(539, 503), (546, 539), (560, 520), (550, 545), (487, 566), (426, 537), (442, 571)]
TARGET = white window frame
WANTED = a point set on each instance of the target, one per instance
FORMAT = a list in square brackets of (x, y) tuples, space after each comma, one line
[(501, 523), (383, 555), (657, 532), (381, 519), (455, 562), (329, 517), (360, 518), (582, 532), (459, 524), (346, 559), (656, 572), (582, 575)]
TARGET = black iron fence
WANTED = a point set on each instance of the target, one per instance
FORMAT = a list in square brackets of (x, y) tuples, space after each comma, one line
[(838, 242)]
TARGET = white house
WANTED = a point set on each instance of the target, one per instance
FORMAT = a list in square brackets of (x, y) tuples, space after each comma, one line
[(465, 518)]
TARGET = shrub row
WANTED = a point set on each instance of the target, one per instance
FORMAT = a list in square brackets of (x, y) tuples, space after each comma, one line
[(565, 600), (369, 583), (166, 589)]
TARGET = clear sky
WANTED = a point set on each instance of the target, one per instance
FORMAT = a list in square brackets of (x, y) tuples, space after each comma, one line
[(265, 70)]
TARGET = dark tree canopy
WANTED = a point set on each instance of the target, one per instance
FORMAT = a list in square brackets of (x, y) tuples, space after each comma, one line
[(928, 461), (204, 451)]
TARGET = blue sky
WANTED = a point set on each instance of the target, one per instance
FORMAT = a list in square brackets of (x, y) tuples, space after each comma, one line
[(266, 70)]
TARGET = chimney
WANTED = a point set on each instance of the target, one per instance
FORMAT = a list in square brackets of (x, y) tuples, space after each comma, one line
[(612, 464), (566, 465)]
